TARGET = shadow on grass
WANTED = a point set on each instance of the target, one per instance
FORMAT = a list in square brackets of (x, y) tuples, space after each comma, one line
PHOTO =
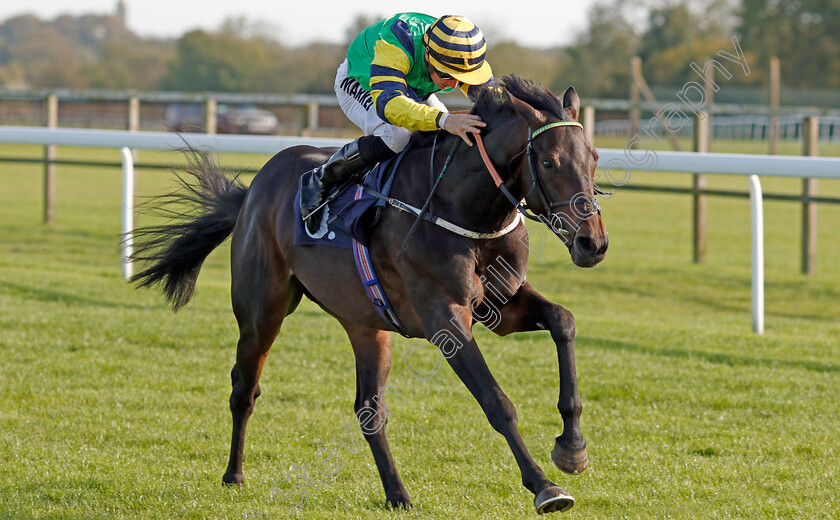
[(52, 295), (712, 357)]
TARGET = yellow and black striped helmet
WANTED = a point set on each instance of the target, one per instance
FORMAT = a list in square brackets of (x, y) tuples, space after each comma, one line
[(457, 47)]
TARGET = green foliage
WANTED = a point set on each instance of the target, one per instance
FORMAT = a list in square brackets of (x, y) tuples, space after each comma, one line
[(125, 65), (803, 34), (309, 69), (219, 62), (599, 64), (49, 58), (246, 29), (669, 26), (676, 37), (86, 51), (538, 65)]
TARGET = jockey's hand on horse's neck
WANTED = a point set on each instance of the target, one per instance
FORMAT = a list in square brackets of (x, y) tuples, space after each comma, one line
[(463, 124)]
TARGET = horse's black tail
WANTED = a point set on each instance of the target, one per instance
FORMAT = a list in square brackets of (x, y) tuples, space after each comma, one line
[(202, 214)]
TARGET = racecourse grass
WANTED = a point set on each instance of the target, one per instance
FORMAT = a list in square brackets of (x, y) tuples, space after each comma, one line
[(116, 407)]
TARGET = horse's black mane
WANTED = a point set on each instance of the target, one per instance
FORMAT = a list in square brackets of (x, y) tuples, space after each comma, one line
[(492, 104)]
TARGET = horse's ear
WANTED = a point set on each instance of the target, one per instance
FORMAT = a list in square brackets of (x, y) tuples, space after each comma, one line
[(532, 116), (571, 102)]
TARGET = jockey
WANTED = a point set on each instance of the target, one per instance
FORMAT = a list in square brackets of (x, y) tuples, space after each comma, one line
[(386, 87)]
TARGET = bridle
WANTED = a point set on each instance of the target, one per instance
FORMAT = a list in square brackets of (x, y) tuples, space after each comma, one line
[(589, 205)]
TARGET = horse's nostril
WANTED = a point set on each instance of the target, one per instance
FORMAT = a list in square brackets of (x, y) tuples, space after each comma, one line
[(586, 245), (603, 249)]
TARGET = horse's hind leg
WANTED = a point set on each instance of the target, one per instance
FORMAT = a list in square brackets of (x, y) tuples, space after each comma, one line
[(372, 349), (263, 292)]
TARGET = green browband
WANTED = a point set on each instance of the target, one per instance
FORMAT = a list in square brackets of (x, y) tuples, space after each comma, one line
[(552, 125)]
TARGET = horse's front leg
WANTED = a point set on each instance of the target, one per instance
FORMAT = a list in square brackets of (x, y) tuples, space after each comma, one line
[(528, 310), (449, 331)]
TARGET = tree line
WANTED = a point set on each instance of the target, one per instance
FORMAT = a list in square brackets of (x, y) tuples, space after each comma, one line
[(242, 56)]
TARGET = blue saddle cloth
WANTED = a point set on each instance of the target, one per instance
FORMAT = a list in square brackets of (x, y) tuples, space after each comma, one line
[(344, 224), (344, 219)]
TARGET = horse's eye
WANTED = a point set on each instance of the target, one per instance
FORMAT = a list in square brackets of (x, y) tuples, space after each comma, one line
[(547, 165)]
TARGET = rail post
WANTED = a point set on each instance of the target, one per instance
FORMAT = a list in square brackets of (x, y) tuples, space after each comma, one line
[(51, 116), (589, 123), (709, 80), (127, 211), (133, 114), (211, 111), (312, 110), (134, 118), (775, 79), (701, 144), (302, 132), (757, 257), (635, 95), (810, 147)]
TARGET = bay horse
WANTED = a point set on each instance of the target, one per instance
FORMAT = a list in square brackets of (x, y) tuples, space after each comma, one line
[(441, 284)]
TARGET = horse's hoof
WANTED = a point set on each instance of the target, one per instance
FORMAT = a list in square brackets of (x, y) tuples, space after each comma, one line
[(232, 480), (399, 503), (569, 461), (552, 499)]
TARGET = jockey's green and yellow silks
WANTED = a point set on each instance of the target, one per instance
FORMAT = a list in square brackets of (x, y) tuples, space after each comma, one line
[(389, 58)]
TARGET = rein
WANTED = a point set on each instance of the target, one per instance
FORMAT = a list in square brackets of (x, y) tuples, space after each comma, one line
[(445, 224), (421, 214), (424, 212), (590, 206)]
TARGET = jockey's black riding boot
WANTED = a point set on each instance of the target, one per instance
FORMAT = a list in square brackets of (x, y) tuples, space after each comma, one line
[(314, 184), (351, 159)]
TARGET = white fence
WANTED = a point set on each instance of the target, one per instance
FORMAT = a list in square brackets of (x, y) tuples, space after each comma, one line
[(717, 163), (752, 127)]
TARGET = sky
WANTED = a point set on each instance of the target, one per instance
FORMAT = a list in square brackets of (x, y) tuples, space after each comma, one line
[(534, 23)]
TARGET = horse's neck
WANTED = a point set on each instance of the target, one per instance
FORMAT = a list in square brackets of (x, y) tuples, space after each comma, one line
[(475, 197), (467, 195)]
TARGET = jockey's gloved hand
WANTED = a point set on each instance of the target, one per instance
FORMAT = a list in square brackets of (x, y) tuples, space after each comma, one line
[(462, 125)]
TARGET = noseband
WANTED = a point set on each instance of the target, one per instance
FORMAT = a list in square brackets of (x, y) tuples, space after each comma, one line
[(589, 204)]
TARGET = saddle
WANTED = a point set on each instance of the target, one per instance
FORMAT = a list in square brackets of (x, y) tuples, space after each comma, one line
[(351, 209)]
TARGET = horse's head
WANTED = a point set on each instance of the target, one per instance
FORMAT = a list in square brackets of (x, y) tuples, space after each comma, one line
[(557, 177)]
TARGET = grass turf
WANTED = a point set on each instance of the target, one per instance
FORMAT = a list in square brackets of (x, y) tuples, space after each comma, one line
[(115, 407)]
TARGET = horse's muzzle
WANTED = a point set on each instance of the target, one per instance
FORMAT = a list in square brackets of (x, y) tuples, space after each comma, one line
[(588, 250)]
